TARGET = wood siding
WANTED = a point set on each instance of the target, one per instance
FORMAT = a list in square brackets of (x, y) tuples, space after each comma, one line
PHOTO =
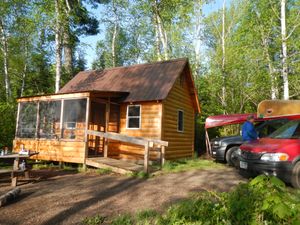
[(181, 144), (151, 113), (54, 150)]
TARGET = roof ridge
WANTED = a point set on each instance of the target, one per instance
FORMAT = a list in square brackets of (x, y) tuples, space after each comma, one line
[(139, 65)]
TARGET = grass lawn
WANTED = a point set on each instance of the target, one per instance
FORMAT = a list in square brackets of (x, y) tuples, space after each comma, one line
[(189, 164)]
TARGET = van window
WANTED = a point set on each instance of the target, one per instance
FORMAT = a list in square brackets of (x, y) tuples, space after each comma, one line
[(268, 127), (290, 130)]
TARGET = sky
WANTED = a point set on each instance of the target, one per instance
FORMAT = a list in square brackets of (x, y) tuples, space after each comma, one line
[(88, 43)]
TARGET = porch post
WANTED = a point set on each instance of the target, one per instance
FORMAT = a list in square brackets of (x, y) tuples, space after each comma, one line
[(37, 123), (163, 155), (146, 158), (61, 117), (86, 139), (17, 122), (107, 112)]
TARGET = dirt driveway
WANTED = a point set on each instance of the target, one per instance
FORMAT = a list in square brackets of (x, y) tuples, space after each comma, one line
[(68, 198)]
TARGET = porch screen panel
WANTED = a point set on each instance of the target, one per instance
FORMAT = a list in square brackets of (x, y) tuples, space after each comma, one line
[(27, 120), (49, 119), (74, 118)]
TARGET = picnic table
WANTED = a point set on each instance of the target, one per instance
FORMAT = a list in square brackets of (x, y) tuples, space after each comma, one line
[(16, 170)]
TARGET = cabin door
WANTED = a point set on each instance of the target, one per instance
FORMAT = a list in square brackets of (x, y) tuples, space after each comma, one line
[(97, 123)]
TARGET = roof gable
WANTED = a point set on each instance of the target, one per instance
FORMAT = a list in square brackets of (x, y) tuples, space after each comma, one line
[(143, 82)]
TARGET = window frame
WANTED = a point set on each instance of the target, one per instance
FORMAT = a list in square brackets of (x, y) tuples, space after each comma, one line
[(180, 110), (127, 117)]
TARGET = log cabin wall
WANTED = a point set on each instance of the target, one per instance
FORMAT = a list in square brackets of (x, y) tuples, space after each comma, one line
[(151, 113), (54, 150), (181, 144)]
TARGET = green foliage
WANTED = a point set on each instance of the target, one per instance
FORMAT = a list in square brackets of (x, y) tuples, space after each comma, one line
[(146, 214), (140, 174), (264, 200), (104, 171), (124, 219), (95, 220), (189, 164), (7, 124)]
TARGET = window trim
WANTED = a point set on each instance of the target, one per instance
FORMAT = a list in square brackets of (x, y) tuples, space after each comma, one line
[(140, 118), (180, 110)]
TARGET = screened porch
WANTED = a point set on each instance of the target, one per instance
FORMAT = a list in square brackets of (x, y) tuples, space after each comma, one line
[(56, 125)]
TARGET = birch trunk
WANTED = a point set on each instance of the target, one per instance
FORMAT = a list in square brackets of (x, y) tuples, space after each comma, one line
[(68, 53), (273, 78), (24, 73), (284, 51), (223, 101), (114, 37), (197, 43), (157, 41), (162, 34), (5, 60), (58, 48)]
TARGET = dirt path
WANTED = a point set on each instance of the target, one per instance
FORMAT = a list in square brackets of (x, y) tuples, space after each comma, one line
[(69, 198)]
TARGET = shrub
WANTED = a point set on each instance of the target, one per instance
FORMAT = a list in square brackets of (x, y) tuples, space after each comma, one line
[(104, 171), (122, 220), (264, 200), (95, 220), (7, 124)]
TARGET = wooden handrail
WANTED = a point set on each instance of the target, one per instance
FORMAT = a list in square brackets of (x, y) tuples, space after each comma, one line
[(126, 138), (146, 142)]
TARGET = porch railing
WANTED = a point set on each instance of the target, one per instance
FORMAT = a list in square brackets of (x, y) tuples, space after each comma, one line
[(146, 142)]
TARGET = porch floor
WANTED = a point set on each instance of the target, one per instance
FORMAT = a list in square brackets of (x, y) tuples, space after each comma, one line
[(117, 166)]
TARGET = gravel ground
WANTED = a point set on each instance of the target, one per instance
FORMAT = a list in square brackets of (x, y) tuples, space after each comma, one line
[(67, 198)]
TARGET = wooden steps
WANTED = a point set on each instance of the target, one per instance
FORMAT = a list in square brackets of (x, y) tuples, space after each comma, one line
[(117, 166)]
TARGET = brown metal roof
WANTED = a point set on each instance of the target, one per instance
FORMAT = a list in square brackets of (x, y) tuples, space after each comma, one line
[(144, 82)]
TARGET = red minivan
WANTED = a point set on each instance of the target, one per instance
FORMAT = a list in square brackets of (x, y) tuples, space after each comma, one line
[(277, 155)]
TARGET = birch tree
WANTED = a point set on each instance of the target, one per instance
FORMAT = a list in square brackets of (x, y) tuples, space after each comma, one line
[(58, 45), (4, 48), (284, 50), (223, 43), (115, 33)]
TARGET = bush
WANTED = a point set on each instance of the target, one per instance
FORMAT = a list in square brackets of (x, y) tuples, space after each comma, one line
[(122, 220), (95, 220), (7, 124), (264, 200)]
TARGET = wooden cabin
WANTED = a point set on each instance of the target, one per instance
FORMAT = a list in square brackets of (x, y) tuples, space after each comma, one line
[(116, 113)]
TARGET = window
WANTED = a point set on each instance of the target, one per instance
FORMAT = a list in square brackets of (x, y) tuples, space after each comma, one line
[(27, 120), (74, 119), (49, 116), (133, 116), (180, 121)]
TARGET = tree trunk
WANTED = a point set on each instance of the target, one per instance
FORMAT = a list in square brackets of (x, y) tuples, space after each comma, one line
[(223, 101), (58, 47), (273, 78), (197, 43), (114, 37), (284, 51), (162, 35), (24, 69), (5, 60), (68, 53), (157, 41)]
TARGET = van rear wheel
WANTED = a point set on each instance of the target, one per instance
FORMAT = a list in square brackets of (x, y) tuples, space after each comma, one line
[(232, 157), (296, 175)]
